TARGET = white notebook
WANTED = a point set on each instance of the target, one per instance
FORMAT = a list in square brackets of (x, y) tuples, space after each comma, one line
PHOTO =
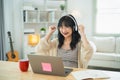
[(80, 75)]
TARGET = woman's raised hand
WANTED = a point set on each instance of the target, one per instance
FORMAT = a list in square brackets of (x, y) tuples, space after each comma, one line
[(52, 28), (81, 29), (83, 36)]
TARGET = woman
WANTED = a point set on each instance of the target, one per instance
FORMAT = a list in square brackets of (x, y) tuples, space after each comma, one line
[(71, 44)]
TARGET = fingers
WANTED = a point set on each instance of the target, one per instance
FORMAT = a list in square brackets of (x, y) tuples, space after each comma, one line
[(52, 28), (81, 28)]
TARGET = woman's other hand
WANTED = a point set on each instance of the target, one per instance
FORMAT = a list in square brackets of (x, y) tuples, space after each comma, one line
[(83, 36), (81, 29)]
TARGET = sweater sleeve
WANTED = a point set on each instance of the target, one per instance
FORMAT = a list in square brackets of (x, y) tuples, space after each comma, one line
[(44, 46), (86, 53)]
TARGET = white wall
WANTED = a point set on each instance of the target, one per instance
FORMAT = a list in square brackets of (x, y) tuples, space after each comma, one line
[(85, 8)]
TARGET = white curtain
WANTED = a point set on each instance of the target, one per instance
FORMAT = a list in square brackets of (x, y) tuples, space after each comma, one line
[(2, 33)]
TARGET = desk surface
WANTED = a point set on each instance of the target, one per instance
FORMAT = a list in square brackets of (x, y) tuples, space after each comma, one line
[(11, 71)]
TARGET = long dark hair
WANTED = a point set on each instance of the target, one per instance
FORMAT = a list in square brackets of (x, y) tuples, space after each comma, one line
[(68, 21)]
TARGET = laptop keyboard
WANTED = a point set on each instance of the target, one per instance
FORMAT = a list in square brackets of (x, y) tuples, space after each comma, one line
[(67, 70)]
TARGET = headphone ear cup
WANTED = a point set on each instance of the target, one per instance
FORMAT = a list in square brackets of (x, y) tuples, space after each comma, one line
[(76, 28)]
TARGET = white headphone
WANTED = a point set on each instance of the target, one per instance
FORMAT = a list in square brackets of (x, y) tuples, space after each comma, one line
[(76, 26)]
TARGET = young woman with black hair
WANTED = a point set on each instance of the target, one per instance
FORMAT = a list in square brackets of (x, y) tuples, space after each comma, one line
[(71, 44)]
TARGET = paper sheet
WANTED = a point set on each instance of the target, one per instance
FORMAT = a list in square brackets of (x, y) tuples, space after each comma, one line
[(46, 67), (80, 75)]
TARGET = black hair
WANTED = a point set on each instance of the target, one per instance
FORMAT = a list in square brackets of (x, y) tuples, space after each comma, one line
[(68, 22)]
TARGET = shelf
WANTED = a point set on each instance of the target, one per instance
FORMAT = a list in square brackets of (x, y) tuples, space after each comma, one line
[(40, 22), (43, 16), (33, 16)]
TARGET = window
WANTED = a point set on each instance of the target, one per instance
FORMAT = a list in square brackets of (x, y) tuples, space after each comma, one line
[(107, 17)]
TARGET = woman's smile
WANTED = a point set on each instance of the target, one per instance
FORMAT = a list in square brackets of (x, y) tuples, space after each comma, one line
[(65, 33)]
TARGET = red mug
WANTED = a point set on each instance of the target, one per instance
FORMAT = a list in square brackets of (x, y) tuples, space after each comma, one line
[(23, 65)]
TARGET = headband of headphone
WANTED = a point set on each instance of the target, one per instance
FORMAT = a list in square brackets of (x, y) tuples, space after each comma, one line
[(76, 26)]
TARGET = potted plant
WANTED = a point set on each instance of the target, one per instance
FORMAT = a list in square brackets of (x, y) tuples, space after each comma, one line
[(42, 30), (62, 7)]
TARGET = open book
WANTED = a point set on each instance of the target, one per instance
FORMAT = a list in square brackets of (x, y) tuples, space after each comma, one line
[(85, 74)]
